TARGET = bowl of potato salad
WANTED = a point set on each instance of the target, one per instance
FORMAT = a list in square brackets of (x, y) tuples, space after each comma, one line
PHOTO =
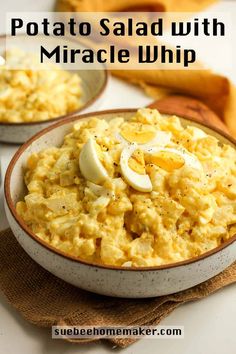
[(128, 203), (33, 96)]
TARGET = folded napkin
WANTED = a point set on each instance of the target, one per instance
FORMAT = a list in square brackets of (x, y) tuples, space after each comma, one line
[(132, 5), (45, 300), (214, 90)]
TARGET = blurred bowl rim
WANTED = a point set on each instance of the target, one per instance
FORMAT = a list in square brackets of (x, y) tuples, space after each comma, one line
[(76, 112), (22, 225)]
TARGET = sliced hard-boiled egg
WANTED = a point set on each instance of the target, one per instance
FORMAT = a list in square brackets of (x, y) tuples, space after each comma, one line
[(170, 158), (168, 161), (90, 165), (138, 133), (139, 182), (145, 139), (161, 139), (137, 162)]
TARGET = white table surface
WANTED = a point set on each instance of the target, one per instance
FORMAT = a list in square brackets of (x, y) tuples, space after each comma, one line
[(209, 323)]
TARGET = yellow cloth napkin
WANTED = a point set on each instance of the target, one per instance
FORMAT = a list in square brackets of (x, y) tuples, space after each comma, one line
[(214, 90), (129, 5)]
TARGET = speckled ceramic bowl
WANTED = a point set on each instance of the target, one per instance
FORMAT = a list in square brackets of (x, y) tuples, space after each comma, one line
[(94, 83), (113, 281)]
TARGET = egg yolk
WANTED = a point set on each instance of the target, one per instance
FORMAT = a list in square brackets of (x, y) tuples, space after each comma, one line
[(138, 133), (169, 161), (137, 162)]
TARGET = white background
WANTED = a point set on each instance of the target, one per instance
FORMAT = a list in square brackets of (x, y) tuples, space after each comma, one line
[(209, 323)]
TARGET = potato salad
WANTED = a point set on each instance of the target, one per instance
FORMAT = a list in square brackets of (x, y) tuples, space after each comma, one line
[(146, 191), (36, 95)]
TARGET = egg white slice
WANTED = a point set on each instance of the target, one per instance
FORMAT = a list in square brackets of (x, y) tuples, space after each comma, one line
[(189, 159), (90, 165), (161, 139), (139, 182)]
